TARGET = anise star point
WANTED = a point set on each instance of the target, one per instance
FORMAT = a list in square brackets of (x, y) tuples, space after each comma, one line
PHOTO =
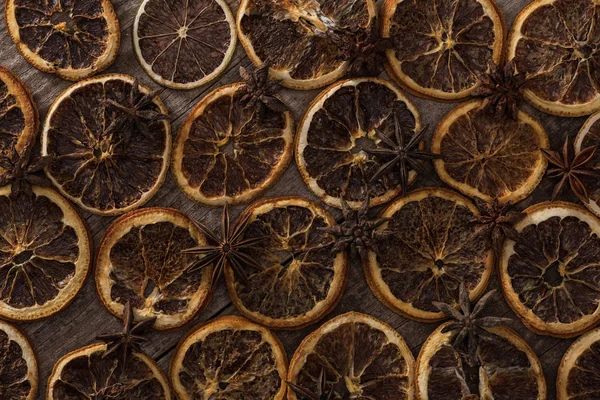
[(497, 220), (363, 49), (260, 92), (501, 89), (21, 173), (324, 389)]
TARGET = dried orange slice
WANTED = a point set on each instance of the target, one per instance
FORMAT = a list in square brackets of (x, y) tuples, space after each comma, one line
[(141, 261), (588, 136), (301, 280), (341, 123), (226, 153), (363, 358), (555, 42), (18, 365), (85, 373), (45, 253), (578, 371), (487, 157), (550, 277), (229, 358), (18, 117), (296, 38), (442, 47), (507, 368), (73, 40), (432, 248), (184, 44), (111, 144)]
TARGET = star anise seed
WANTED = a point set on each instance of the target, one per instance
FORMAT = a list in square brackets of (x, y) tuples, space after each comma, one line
[(259, 92), (324, 389), (497, 221), (22, 172)]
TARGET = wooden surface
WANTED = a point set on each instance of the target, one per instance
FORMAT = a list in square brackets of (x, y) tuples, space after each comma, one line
[(85, 318)]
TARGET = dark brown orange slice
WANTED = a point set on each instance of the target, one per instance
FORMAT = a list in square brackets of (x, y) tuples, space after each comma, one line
[(490, 158), (578, 377), (141, 261), (18, 365), (343, 121), (433, 248), (226, 153), (295, 37), (556, 43), (363, 358), (550, 277), (103, 161), (72, 39), (45, 253), (442, 47), (507, 368), (588, 136), (229, 358), (184, 44)]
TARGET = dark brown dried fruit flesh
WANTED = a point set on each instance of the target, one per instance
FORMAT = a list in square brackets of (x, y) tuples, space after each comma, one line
[(507, 373), (343, 128), (230, 365), (15, 383), (592, 138), (12, 123), (583, 381), (559, 50), (102, 170), (181, 43)]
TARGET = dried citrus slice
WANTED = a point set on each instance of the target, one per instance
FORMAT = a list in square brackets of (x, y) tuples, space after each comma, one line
[(555, 42), (18, 117), (363, 358), (297, 38), (86, 373), (111, 154), (507, 368), (442, 47), (588, 136), (550, 277), (341, 123), (72, 39), (141, 261), (578, 371), (487, 157), (229, 358), (226, 153), (184, 44), (45, 253), (432, 248), (18, 365), (301, 280)]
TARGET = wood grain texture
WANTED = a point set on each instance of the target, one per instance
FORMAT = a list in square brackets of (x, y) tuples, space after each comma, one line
[(86, 318)]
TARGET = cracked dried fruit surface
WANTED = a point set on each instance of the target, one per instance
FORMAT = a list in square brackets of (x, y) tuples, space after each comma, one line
[(102, 160), (363, 358), (344, 121), (433, 247), (184, 44), (85, 374), (141, 261), (300, 280), (441, 47), (229, 358), (490, 158), (226, 153), (556, 43), (589, 136), (44, 253), (578, 376), (550, 276), (298, 38), (73, 39), (18, 365), (506, 368)]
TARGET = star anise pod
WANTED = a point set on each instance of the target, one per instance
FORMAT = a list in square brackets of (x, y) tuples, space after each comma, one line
[(501, 89), (135, 114), (259, 92), (324, 389), (405, 154), (228, 248), (469, 323), (571, 168), (356, 230), (497, 221), (124, 343), (365, 49), (21, 172)]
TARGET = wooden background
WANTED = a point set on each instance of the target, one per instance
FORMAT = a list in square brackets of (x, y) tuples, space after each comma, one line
[(85, 318)]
